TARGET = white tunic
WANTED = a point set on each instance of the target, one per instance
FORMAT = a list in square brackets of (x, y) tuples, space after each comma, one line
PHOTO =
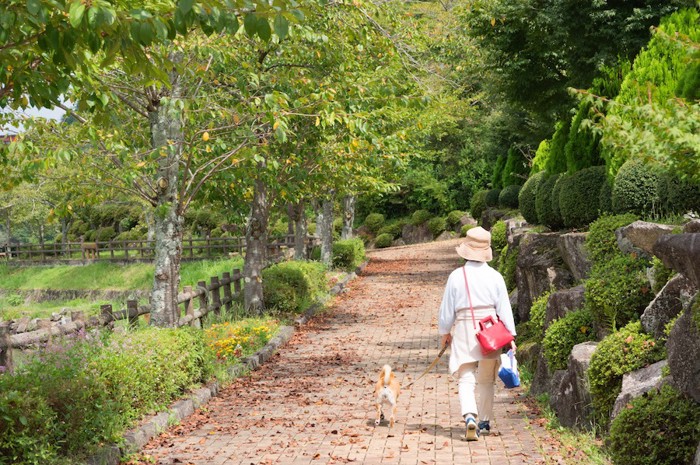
[(489, 297)]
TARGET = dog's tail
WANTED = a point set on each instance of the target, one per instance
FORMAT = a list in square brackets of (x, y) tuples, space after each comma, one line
[(386, 374)]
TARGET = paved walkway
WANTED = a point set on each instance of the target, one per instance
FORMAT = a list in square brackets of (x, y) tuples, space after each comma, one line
[(313, 402)]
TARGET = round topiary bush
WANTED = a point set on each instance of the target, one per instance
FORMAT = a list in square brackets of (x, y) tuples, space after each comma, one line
[(543, 203), (508, 197), (394, 229), (637, 188), (498, 235), (679, 196), (374, 221), (477, 205), (563, 334), (556, 190), (105, 234), (454, 218), (605, 197), (465, 228), (383, 240), (420, 216), (601, 242), (437, 225), (578, 198), (618, 353), (527, 196), (658, 428), (492, 197)]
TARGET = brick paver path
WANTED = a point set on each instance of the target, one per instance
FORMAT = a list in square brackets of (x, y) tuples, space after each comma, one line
[(313, 402)]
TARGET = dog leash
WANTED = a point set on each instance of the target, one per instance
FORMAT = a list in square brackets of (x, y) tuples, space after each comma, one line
[(429, 368)]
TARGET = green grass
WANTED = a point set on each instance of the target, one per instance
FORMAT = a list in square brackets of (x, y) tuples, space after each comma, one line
[(10, 310)]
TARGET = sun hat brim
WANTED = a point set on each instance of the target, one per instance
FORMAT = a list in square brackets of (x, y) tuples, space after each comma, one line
[(467, 252)]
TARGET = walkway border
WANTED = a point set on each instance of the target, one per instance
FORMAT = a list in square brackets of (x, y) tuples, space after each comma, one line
[(135, 439)]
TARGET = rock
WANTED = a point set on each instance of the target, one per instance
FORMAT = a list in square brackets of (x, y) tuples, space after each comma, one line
[(23, 324), (692, 227), (640, 237), (541, 379), (446, 235), (681, 252), (697, 456), (667, 304), (398, 242), (570, 397), (514, 226), (539, 269), (562, 302), (683, 348), (574, 254), (416, 234), (466, 219), (490, 217), (513, 298), (638, 382)]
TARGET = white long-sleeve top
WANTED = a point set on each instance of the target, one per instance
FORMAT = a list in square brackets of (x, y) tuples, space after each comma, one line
[(487, 288)]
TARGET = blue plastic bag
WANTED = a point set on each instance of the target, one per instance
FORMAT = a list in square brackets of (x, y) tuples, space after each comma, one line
[(509, 370)]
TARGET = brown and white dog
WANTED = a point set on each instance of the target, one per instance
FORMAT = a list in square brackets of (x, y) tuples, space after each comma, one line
[(386, 392)]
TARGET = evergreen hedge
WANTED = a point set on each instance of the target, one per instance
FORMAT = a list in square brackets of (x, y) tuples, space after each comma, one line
[(543, 203), (579, 194), (527, 196), (637, 188), (508, 197)]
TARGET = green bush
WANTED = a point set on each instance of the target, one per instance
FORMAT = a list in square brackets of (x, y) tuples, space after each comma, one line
[(605, 198), (105, 234), (348, 254), (477, 205), (556, 191), (292, 286), (563, 334), (538, 313), (498, 235), (437, 225), (420, 216), (492, 197), (660, 275), (637, 188), (556, 161), (508, 197), (507, 263), (661, 427), (383, 240), (516, 169), (578, 198), (617, 291), (581, 150), (620, 352), (527, 196), (543, 203), (678, 196), (138, 233), (541, 156), (374, 221), (465, 228), (601, 242), (454, 218), (497, 177), (395, 229)]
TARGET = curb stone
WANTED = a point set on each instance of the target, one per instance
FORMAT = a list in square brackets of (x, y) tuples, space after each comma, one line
[(135, 439)]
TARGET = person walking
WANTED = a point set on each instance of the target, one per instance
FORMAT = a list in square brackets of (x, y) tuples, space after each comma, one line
[(478, 287)]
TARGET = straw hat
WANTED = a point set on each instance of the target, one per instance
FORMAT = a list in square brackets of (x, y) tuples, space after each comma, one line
[(476, 246)]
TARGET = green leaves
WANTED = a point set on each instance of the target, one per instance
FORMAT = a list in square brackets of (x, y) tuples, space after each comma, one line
[(281, 26), (75, 14)]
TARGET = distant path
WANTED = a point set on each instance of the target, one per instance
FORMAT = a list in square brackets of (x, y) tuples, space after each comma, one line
[(312, 403)]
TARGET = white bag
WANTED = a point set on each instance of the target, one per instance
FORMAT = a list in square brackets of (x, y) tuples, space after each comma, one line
[(509, 370)]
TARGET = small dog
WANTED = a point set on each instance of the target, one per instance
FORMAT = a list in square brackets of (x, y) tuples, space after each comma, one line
[(386, 392)]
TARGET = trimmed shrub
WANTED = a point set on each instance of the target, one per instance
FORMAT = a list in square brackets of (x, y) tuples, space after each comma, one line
[(556, 190), (563, 334), (498, 235), (678, 196), (497, 177), (477, 205), (348, 253), (578, 198), (507, 263), (637, 188), (601, 243), (464, 229), (538, 312), (543, 203), (527, 196), (437, 225), (508, 197), (492, 197), (292, 286), (621, 352), (541, 156), (394, 229), (605, 198), (105, 234), (516, 169), (420, 216), (556, 162), (658, 428), (374, 221), (383, 240), (454, 218)]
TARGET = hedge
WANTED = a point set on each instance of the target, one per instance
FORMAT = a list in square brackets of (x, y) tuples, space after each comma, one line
[(579, 194), (292, 286), (508, 197), (348, 253), (527, 196), (543, 203), (637, 188)]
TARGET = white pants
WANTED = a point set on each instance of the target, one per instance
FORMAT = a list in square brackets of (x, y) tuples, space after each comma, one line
[(477, 376)]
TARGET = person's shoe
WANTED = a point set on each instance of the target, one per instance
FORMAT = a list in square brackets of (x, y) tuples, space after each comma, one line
[(484, 428), (472, 429)]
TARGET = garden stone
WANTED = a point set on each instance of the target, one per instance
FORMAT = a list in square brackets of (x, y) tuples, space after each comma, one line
[(22, 324), (562, 302), (539, 269), (416, 234), (640, 237), (466, 219), (692, 227), (638, 382), (398, 242), (446, 235), (491, 217), (571, 398), (681, 252), (514, 226), (667, 304), (542, 378), (571, 247), (513, 298), (683, 347), (697, 456)]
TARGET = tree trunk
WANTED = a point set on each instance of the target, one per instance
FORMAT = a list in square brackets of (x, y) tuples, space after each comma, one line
[(65, 227), (256, 249), (300, 252), (167, 137), (327, 231), (150, 223), (348, 216)]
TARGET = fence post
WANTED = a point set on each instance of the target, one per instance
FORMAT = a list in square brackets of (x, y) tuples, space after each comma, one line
[(203, 300), (228, 299), (237, 281), (216, 294), (189, 308), (132, 312), (5, 348), (106, 313)]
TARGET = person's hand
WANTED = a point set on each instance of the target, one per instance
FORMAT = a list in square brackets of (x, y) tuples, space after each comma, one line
[(446, 339), (513, 346)]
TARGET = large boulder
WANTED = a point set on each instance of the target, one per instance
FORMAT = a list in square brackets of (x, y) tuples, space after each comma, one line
[(515, 227), (640, 237), (416, 234), (574, 254), (541, 379), (562, 302), (683, 347), (692, 227), (681, 252), (638, 382), (571, 397), (667, 304), (539, 269), (466, 219), (491, 216)]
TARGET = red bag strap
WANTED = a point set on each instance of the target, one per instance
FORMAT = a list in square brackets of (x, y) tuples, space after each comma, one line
[(469, 295)]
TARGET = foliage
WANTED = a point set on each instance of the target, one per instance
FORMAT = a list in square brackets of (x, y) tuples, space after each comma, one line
[(454, 218), (348, 254), (581, 150), (231, 341), (105, 234), (507, 264), (621, 352), (556, 162), (538, 313), (437, 225), (498, 235), (527, 196), (419, 217), (601, 242), (678, 195), (492, 197), (394, 229), (539, 163), (605, 198), (563, 334), (465, 228), (508, 197), (660, 274), (292, 286), (374, 221), (497, 178), (672, 417), (383, 240), (556, 191), (543, 203), (578, 198), (516, 169), (637, 188), (617, 291), (477, 205)]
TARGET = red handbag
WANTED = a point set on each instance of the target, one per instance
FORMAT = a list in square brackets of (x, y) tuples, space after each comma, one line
[(493, 334)]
